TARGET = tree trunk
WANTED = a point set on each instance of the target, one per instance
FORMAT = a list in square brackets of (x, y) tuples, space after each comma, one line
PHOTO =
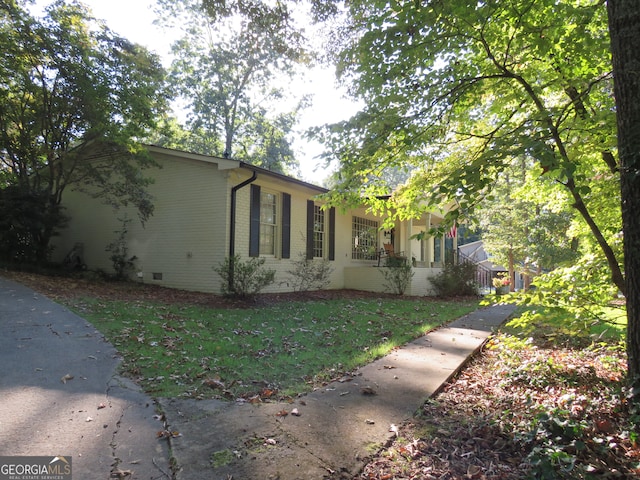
[(624, 28), (512, 272)]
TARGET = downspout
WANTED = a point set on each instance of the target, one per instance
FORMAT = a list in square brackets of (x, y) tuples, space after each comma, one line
[(232, 232)]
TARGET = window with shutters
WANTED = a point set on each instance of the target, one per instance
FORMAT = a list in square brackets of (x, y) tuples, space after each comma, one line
[(268, 223)]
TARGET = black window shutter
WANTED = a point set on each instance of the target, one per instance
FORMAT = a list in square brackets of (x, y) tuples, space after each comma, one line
[(332, 233), (254, 221), (286, 225), (310, 219)]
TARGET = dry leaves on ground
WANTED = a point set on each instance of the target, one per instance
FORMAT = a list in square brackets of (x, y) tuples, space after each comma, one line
[(495, 419)]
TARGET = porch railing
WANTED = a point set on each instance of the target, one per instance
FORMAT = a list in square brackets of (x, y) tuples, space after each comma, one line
[(483, 274)]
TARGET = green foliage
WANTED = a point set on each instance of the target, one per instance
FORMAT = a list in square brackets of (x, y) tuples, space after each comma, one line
[(310, 274), (526, 221), (569, 392), (455, 91), (244, 278), (557, 436), (291, 347), (397, 274), (122, 263), (24, 218), (74, 98), (226, 93), (456, 279), (578, 298)]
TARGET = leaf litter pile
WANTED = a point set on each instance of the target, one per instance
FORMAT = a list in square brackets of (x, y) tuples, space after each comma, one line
[(521, 410)]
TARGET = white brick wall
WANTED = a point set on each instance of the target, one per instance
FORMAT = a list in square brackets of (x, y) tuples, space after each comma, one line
[(188, 234), (182, 241)]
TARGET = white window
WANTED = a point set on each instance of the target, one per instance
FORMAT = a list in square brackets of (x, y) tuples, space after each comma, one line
[(319, 232), (364, 239), (268, 223)]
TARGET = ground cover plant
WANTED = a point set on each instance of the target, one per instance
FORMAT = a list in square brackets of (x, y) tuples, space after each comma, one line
[(537, 403)]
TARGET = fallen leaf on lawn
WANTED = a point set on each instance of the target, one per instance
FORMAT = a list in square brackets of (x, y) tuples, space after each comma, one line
[(66, 378), (295, 412), (121, 474), (214, 383), (267, 393), (282, 413), (367, 390), (604, 426)]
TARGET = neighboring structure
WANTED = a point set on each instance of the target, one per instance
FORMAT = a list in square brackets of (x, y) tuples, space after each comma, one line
[(475, 252), (208, 208), (487, 270)]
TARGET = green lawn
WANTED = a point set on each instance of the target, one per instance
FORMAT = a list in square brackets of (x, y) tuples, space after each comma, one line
[(285, 349)]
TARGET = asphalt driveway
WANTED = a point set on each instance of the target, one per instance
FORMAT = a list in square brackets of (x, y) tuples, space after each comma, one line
[(60, 393)]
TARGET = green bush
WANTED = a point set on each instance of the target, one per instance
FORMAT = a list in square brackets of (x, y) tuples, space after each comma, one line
[(397, 274), (122, 263), (27, 221), (456, 280), (244, 278), (309, 274)]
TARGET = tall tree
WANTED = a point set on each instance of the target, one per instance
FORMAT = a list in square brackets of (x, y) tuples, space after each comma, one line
[(459, 88), (224, 68), (539, 71), (73, 99), (526, 222), (624, 29)]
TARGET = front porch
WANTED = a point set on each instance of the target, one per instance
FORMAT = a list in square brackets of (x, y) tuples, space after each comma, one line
[(426, 255)]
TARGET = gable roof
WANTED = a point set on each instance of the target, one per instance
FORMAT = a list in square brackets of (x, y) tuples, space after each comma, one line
[(228, 164)]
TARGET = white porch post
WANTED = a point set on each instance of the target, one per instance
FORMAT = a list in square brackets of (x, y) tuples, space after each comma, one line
[(407, 240), (428, 244), (455, 247)]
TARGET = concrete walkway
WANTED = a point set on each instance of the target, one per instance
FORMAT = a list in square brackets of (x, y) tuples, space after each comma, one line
[(338, 426), (106, 423)]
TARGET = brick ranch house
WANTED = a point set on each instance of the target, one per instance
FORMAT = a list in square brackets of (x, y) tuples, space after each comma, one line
[(207, 208)]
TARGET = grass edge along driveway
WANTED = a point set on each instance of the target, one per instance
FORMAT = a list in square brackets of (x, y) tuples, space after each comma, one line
[(275, 351)]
